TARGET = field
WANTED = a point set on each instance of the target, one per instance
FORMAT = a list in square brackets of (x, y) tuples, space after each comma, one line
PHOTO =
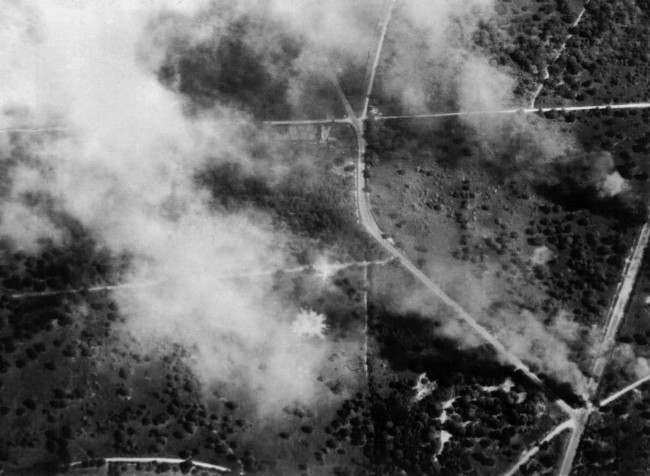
[(451, 205)]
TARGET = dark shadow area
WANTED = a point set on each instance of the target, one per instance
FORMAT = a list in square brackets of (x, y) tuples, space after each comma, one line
[(572, 187), (227, 70)]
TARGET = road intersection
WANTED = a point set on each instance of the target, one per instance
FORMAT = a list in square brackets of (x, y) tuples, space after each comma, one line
[(578, 418)]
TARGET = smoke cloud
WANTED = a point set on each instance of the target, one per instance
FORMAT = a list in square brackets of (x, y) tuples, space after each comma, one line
[(546, 344), (547, 347), (124, 166), (625, 360), (429, 54), (125, 163)]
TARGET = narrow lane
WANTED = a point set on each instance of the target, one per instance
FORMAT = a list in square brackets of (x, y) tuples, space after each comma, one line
[(135, 460), (325, 269), (558, 54), (615, 396), (527, 455), (307, 122), (375, 62), (529, 110)]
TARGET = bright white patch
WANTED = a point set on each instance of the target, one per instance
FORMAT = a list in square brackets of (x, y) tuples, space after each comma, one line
[(506, 386), (445, 405), (445, 437), (309, 323), (541, 255), (326, 268), (647, 300), (423, 387), (613, 184), (641, 367)]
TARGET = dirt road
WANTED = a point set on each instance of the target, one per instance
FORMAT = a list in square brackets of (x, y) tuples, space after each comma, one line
[(529, 110), (565, 425), (614, 319), (557, 55), (134, 460), (367, 220)]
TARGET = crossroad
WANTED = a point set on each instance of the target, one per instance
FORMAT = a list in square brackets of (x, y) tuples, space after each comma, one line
[(483, 112)]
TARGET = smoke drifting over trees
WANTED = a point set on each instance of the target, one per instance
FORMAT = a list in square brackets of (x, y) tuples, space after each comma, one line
[(124, 167), (149, 93)]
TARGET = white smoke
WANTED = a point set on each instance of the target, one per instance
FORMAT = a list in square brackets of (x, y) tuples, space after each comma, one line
[(613, 184), (124, 167), (309, 323), (428, 49), (625, 360), (26, 226), (547, 348), (541, 255)]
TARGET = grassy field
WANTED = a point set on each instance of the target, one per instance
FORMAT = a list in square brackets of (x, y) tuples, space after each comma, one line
[(470, 217)]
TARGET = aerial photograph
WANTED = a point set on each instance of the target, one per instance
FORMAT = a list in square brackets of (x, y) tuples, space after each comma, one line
[(325, 237)]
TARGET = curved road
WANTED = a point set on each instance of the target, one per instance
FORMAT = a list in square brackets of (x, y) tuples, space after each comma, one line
[(367, 220)]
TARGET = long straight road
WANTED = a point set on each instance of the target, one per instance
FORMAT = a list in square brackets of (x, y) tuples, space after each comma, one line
[(619, 305), (375, 62), (325, 269), (486, 112), (307, 122), (135, 460), (615, 396), (528, 110), (614, 319)]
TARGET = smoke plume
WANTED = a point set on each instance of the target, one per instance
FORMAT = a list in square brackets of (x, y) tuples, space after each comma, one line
[(123, 164)]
